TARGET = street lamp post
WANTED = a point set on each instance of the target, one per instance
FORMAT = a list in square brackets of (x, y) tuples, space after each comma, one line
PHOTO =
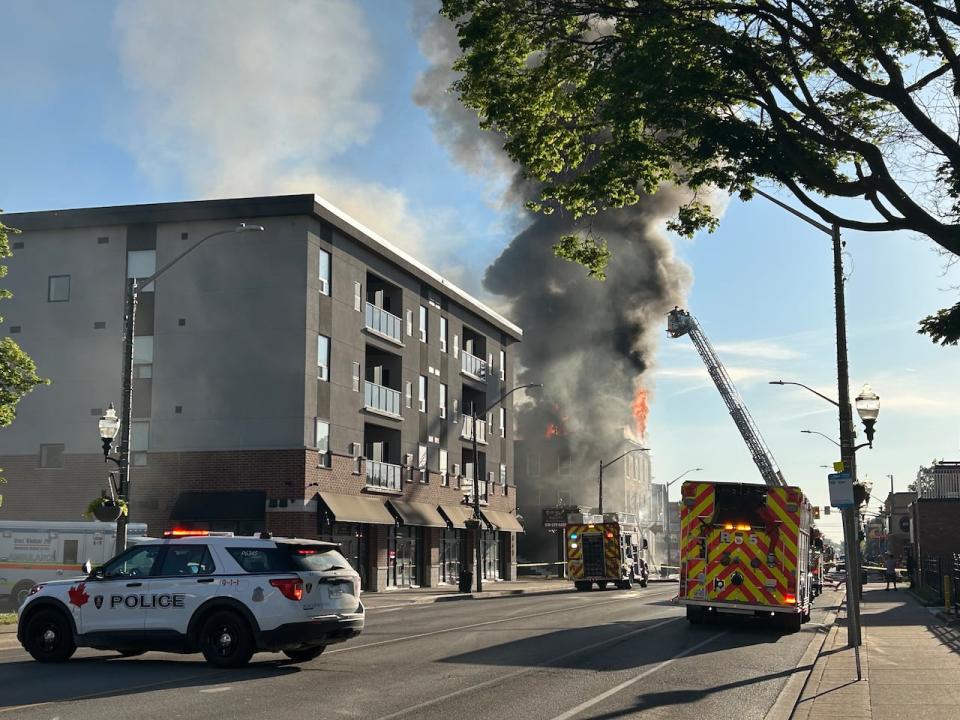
[(476, 478), (602, 466), (126, 409), (666, 509)]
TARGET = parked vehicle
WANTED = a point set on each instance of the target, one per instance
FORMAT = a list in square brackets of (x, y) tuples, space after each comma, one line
[(33, 551)]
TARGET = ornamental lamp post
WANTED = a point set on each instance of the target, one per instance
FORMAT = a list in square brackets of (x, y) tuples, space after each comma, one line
[(133, 290), (868, 408), (109, 426), (666, 510)]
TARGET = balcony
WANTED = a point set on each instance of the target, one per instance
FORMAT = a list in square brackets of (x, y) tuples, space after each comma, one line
[(472, 366), (384, 324), (466, 489), (383, 475), (466, 432), (381, 399)]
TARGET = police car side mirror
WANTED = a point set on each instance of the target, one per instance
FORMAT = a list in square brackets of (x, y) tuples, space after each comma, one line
[(88, 567), (98, 573)]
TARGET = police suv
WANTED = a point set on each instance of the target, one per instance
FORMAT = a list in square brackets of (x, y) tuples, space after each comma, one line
[(227, 597)]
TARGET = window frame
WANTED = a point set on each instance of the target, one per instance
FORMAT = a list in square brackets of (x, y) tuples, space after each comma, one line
[(323, 363), (324, 277), (323, 453), (40, 456), (442, 399), (357, 296), (443, 334), (424, 326), (50, 297), (422, 393), (503, 422), (503, 364), (355, 378)]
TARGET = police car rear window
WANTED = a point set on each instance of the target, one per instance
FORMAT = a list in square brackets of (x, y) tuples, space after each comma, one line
[(289, 558)]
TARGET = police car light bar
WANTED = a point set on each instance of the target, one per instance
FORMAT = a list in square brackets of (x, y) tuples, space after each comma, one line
[(180, 532)]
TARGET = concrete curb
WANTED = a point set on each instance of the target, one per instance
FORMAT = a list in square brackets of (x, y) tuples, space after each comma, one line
[(788, 698)]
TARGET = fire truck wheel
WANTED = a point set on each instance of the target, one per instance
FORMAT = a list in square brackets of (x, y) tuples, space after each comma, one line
[(602, 584), (791, 622), (583, 585), (695, 615), (626, 584)]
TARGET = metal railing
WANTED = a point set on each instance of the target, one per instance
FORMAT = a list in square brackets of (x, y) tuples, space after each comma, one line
[(383, 322), (383, 475), (466, 431), (932, 573), (473, 366), (382, 398)]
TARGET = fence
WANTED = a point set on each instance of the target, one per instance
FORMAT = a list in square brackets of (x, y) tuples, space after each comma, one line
[(931, 574)]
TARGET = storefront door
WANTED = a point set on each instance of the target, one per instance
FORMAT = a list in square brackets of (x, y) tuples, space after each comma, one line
[(491, 555), (352, 538), (452, 549), (402, 556)]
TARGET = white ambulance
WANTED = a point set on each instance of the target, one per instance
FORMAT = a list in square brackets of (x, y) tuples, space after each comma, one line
[(33, 551)]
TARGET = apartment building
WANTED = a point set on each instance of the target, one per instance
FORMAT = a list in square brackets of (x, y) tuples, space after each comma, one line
[(310, 379)]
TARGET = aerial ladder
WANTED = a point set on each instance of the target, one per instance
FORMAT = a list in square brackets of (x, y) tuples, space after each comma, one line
[(679, 323)]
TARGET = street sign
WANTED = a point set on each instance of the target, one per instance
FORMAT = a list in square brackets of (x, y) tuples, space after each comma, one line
[(841, 489), (555, 518)]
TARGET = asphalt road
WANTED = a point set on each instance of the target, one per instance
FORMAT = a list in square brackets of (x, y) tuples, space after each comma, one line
[(614, 654)]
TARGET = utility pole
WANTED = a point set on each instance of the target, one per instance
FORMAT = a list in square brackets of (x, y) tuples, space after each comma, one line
[(600, 499), (126, 412), (847, 452)]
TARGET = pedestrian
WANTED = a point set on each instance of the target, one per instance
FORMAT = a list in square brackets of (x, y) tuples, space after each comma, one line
[(891, 572)]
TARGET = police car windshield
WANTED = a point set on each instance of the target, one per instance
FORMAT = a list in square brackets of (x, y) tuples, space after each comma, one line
[(289, 558)]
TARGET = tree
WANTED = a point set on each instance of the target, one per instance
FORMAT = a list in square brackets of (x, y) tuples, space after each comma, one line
[(18, 373), (602, 100)]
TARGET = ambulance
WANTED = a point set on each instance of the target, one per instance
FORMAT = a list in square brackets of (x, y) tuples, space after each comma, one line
[(745, 550), (604, 550), (35, 551)]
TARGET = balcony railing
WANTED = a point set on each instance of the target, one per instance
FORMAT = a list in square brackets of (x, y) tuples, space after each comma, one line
[(383, 475), (381, 398), (466, 484), (383, 323), (473, 366), (466, 432)]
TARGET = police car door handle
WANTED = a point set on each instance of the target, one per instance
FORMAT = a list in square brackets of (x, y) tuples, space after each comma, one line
[(206, 580), (134, 584)]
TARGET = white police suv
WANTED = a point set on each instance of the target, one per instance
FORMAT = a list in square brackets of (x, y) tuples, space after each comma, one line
[(227, 597)]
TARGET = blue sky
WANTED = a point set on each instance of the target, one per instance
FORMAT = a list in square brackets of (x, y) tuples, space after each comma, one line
[(111, 103)]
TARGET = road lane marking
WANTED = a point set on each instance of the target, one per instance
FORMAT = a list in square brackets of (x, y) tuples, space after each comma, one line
[(216, 690), (521, 673), (417, 636), (624, 685)]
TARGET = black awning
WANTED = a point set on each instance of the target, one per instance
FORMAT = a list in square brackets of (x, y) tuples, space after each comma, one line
[(457, 515), (414, 513), (355, 509), (225, 505)]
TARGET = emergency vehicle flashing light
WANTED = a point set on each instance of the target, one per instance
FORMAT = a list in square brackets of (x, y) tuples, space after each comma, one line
[(790, 598), (180, 532), (290, 588)]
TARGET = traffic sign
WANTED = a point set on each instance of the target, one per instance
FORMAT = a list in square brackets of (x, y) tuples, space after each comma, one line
[(841, 489)]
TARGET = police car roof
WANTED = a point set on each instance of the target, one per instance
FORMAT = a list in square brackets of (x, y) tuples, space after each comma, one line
[(231, 540)]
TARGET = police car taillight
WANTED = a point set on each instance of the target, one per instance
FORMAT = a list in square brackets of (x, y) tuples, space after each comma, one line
[(291, 588)]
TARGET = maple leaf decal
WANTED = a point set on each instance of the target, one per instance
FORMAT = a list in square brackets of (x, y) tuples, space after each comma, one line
[(78, 595)]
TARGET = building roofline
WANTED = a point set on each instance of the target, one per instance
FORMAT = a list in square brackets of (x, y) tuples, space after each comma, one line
[(263, 206)]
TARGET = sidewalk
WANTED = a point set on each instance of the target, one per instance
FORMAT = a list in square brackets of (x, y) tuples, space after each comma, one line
[(910, 662)]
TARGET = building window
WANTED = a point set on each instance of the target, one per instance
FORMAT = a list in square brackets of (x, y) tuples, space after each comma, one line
[(422, 457), (139, 441), (58, 288), (433, 299), (503, 474), (443, 334), (143, 357), (422, 394), (444, 467), (503, 365), (408, 392), (503, 422), (533, 465), (356, 377), (324, 272), (456, 410), (566, 466), (443, 400), (323, 357), (423, 324), (322, 441), (51, 456), (142, 264), (456, 346), (357, 296), (409, 323)]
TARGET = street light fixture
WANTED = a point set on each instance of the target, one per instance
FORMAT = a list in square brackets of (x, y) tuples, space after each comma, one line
[(868, 408), (666, 509), (129, 321), (816, 432), (109, 426), (476, 478), (602, 466)]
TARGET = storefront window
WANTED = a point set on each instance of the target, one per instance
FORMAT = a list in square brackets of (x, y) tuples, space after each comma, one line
[(403, 549), (491, 555), (353, 545), (451, 556)]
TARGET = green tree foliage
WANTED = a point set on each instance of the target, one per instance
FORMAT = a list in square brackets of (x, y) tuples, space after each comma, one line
[(18, 373), (602, 100)]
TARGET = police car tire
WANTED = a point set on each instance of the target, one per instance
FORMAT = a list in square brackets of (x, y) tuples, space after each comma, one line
[(222, 625), (305, 654), (60, 648)]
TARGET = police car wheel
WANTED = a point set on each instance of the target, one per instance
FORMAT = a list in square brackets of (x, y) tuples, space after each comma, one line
[(48, 637), (226, 641), (305, 654)]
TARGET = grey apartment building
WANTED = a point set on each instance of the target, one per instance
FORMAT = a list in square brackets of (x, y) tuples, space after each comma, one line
[(310, 380)]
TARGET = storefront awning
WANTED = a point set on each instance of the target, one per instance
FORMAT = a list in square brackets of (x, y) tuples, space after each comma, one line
[(502, 520), (354, 509), (457, 515), (225, 505), (419, 514)]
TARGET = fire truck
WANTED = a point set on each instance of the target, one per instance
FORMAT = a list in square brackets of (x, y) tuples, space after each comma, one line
[(604, 550), (744, 548)]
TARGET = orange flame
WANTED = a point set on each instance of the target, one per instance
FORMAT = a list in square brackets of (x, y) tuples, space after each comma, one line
[(640, 411), (553, 430)]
